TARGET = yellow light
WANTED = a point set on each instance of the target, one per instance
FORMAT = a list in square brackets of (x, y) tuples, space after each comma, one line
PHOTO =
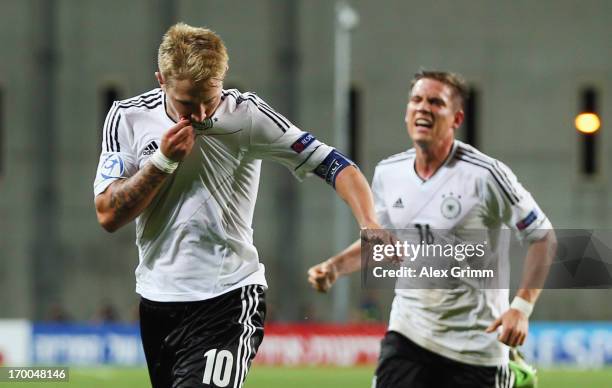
[(587, 122)]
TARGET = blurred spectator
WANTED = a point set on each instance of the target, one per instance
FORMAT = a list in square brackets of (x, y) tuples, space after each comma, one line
[(57, 313), (369, 308), (271, 311), (308, 313), (135, 313), (106, 313)]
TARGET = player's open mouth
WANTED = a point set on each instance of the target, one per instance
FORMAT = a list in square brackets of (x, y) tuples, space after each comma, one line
[(425, 123)]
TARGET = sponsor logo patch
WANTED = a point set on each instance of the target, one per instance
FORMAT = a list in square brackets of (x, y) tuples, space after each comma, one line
[(302, 143), (112, 167), (398, 204), (150, 149), (525, 222)]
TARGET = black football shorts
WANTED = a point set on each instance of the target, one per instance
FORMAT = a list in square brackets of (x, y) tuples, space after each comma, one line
[(208, 343), (403, 363)]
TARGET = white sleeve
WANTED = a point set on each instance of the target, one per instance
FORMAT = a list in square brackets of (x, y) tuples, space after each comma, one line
[(514, 206), (380, 206), (117, 159), (273, 137)]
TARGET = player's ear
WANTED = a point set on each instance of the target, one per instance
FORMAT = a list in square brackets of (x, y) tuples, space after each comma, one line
[(459, 116), (160, 79)]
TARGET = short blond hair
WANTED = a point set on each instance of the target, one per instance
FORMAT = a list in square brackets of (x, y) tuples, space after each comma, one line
[(455, 81), (193, 53)]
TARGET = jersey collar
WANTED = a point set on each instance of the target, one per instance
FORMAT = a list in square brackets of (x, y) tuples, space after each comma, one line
[(440, 171)]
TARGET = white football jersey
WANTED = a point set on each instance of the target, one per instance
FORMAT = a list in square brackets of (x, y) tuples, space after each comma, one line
[(195, 239), (470, 192)]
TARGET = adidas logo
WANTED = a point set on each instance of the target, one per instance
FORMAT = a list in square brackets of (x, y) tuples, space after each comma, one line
[(150, 148), (398, 204)]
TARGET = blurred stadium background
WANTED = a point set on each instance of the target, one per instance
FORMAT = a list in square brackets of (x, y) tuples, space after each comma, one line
[(67, 288)]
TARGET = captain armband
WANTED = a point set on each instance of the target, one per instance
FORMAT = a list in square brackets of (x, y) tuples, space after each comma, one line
[(331, 167)]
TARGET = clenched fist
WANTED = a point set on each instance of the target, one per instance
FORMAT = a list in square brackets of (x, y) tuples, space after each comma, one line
[(178, 141), (322, 276)]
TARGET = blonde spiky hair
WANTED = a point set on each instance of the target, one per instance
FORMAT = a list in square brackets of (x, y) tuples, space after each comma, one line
[(193, 53)]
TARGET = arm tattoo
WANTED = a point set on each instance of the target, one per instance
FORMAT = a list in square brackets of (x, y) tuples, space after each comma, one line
[(128, 194)]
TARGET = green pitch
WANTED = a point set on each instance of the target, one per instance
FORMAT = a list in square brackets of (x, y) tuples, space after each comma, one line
[(266, 377)]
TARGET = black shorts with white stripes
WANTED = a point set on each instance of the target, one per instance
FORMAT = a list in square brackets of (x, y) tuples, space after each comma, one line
[(403, 363), (208, 343)]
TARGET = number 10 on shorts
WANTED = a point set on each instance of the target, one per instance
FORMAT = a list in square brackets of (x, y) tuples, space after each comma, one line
[(218, 368)]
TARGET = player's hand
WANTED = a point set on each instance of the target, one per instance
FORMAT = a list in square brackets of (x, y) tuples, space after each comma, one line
[(376, 235), (178, 141), (322, 276), (515, 327)]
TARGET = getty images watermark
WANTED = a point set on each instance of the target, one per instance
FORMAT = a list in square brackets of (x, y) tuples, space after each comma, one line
[(421, 257), (405, 251)]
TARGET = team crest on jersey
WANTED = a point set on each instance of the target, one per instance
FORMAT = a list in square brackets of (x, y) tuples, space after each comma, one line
[(202, 125), (451, 206), (112, 167)]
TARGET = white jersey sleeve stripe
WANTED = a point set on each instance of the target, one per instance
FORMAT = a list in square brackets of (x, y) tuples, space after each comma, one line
[(150, 103), (505, 189), (111, 127), (232, 92), (145, 97), (261, 104), (141, 97), (253, 97), (510, 197), (116, 137), (106, 130), (269, 108), (307, 158), (278, 119), (271, 114), (495, 164), (506, 179)]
